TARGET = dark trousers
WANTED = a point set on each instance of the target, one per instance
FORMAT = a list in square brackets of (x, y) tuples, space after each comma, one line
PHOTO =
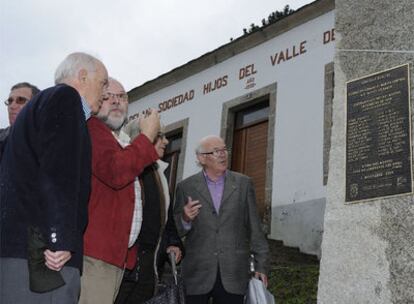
[(218, 294), (136, 292)]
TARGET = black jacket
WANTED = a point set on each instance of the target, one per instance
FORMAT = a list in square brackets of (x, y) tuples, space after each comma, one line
[(45, 175), (3, 138), (150, 232)]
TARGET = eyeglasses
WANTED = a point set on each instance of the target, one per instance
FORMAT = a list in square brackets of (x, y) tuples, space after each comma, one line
[(20, 100), (217, 153), (120, 96)]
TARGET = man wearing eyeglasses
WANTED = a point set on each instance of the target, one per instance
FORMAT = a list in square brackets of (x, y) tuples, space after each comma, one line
[(115, 213), (19, 95), (216, 211)]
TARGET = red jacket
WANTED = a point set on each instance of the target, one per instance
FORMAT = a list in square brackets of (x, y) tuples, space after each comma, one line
[(112, 199)]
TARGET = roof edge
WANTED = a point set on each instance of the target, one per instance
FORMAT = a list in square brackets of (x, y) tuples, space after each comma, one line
[(237, 46)]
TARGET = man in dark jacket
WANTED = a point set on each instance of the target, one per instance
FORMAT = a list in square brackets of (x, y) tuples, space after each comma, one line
[(45, 181)]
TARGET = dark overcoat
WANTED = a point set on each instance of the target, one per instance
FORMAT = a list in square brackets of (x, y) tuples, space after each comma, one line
[(45, 175)]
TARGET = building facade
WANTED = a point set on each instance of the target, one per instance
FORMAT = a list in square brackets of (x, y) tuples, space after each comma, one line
[(269, 95)]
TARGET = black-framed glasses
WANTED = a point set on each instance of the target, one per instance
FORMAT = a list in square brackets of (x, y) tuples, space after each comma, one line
[(20, 100), (217, 152), (120, 96)]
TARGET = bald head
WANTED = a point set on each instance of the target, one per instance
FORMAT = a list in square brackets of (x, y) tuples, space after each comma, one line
[(114, 84)]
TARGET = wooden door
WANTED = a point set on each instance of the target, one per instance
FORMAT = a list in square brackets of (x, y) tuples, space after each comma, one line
[(249, 156)]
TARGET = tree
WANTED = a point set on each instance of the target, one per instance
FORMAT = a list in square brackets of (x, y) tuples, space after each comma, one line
[(273, 17)]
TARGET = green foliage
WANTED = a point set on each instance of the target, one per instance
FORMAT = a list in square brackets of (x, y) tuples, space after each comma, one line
[(294, 284), (273, 17), (277, 15)]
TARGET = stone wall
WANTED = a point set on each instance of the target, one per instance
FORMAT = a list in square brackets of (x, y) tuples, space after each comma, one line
[(367, 248)]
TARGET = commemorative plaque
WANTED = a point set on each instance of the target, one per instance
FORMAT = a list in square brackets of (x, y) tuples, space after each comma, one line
[(378, 135)]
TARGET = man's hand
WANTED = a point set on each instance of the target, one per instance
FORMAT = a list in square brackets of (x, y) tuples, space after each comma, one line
[(55, 260), (150, 124), (262, 277), (132, 128), (177, 252), (191, 210)]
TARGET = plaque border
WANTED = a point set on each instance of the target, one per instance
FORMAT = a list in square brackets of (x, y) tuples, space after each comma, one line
[(410, 134)]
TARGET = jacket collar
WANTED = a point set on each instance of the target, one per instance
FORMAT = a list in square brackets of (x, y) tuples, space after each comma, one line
[(230, 186)]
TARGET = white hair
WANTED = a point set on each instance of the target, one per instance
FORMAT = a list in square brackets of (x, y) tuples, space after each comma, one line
[(200, 147), (115, 80), (72, 64)]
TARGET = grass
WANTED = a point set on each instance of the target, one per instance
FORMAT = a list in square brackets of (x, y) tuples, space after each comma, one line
[(294, 284)]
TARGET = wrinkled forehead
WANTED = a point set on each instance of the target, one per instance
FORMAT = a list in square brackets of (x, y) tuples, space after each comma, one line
[(115, 87), (213, 143)]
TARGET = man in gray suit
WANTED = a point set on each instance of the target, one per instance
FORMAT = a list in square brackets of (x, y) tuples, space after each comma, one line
[(216, 211)]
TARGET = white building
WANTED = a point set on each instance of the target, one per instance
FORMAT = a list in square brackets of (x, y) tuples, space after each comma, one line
[(269, 95)]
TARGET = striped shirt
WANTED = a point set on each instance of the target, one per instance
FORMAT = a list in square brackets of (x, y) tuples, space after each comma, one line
[(86, 108)]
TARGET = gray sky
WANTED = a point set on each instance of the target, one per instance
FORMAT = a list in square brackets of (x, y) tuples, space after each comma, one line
[(136, 40)]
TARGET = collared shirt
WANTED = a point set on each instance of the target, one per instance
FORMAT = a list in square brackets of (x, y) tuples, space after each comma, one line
[(86, 108), (216, 189)]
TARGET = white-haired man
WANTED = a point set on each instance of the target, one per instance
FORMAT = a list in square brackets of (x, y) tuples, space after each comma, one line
[(115, 196), (216, 210), (45, 185)]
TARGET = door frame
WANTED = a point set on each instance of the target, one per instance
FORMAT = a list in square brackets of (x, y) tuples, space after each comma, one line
[(179, 126)]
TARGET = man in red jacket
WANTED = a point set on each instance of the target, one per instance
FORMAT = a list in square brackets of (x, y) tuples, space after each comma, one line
[(115, 198)]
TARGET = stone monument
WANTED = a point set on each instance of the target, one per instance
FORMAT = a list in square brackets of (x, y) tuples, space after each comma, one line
[(368, 241)]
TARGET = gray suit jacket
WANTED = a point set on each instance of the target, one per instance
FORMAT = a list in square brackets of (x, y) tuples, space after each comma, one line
[(223, 240)]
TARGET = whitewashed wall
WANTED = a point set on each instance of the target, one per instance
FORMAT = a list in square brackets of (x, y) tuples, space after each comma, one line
[(298, 150)]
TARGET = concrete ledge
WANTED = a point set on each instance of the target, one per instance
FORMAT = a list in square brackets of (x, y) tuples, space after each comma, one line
[(300, 225)]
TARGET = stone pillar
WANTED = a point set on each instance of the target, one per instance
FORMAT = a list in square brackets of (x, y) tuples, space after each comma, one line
[(368, 247)]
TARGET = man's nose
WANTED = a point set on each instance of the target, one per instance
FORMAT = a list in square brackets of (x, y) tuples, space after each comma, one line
[(115, 100), (13, 105)]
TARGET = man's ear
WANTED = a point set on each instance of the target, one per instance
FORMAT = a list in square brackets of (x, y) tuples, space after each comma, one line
[(200, 159), (82, 75)]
